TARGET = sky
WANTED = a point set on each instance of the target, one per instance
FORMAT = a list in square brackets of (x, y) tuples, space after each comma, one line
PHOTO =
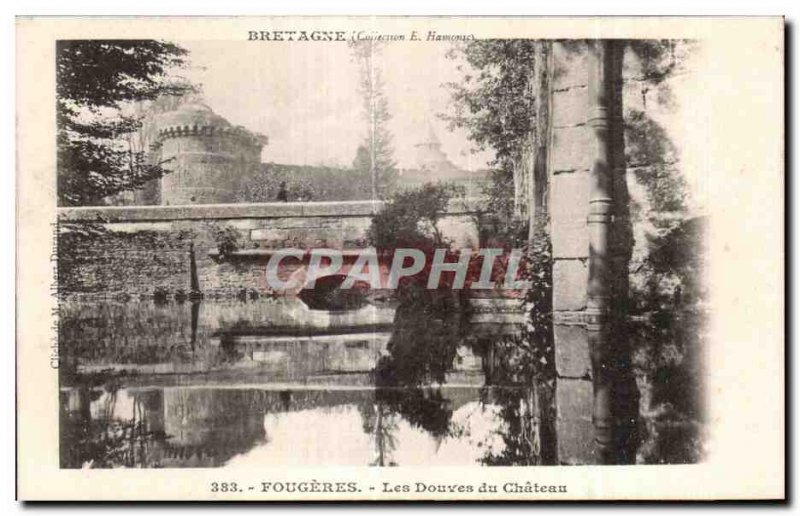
[(304, 97)]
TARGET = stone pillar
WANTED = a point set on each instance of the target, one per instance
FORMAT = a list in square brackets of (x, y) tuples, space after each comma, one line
[(568, 203), (599, 221), (585, 149)]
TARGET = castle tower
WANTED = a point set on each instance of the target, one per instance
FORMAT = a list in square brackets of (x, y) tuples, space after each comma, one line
[(207, 156)]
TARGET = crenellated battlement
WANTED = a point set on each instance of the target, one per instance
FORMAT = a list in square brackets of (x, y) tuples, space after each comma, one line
[(238, 132), (206, 154)]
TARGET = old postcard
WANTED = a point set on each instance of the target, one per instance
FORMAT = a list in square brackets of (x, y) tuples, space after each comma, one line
[(402, 258)]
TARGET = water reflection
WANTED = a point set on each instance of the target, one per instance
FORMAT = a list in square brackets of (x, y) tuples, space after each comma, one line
[(272, 382), (207, 427)]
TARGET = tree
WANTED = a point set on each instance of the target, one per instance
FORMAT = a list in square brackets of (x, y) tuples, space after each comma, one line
[(97, 82), (376, 153), (497, 102)]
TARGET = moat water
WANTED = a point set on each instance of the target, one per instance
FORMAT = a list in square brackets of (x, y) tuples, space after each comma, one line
[(273, 382)]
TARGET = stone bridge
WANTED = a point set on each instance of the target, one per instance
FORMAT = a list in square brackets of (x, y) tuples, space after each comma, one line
[(188, 249)]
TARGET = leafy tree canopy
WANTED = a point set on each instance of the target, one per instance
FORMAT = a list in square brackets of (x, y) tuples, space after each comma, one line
[(495, 99), (96, 80)]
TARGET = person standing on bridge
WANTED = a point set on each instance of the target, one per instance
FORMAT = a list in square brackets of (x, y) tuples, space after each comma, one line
[(283, 195)]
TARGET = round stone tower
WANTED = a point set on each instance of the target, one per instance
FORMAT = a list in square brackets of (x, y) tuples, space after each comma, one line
[(207, 157)]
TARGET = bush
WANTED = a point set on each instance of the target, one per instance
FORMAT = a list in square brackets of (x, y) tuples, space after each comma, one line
[(226, 239), (410, 218)]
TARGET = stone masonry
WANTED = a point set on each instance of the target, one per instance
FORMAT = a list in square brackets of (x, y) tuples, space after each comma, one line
[(588, 214), (147, 247)]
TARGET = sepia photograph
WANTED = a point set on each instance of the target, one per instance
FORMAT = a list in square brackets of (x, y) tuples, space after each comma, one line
[(382, 246)]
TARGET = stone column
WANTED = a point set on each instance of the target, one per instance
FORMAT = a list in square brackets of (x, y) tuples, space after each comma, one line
[(570, 160), (586, 157), (599, 221)]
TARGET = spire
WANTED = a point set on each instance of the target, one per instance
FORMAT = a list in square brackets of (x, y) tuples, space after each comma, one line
[(432, 138)]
